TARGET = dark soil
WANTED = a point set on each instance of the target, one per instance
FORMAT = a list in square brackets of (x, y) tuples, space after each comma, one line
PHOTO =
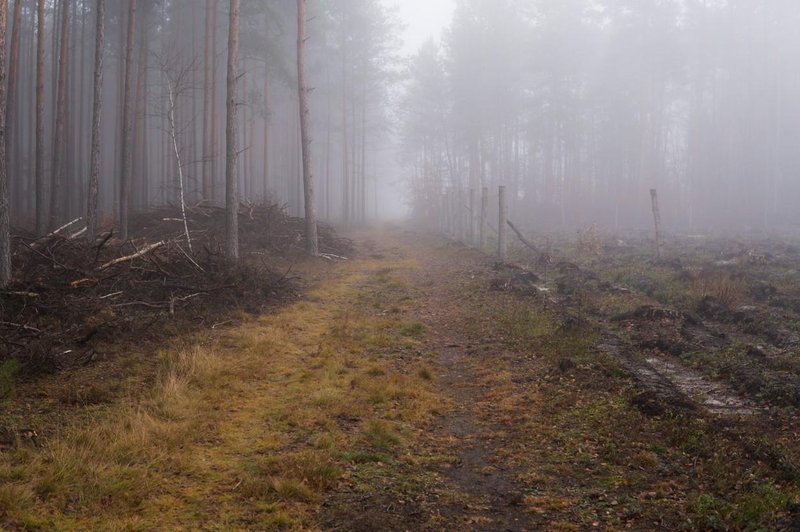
[(64, 301)]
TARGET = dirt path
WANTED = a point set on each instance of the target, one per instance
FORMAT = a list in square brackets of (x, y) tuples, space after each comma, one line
[(400, 393)]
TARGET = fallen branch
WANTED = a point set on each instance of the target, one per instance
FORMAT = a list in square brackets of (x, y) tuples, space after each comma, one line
[(53, 233), (112, 294), (189, 258), (143, 251), (21, 326), (73, 236), (331, 256), (174, 300)]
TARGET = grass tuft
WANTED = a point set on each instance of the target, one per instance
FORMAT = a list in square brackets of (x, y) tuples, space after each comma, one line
[(8, 373), (380, 435)]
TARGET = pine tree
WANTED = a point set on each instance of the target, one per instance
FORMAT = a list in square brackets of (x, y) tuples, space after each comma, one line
[(232, 147), (97, 109)]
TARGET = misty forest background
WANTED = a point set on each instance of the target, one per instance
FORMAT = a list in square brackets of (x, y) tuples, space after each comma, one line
[(579, 107)]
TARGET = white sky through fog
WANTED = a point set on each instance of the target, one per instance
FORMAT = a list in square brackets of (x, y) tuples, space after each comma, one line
[(423, 19)]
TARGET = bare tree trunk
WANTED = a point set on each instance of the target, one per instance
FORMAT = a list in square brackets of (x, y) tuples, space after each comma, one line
[(267, 120), (41, 198), (328, 129), (231, 181), (345, 149), (97, 109), (312, 246), (81, 121), (59, 170), (173, 134), (5, 221), (139, 171), (127, 130), (214, 128), (207, 72), (13, 89)]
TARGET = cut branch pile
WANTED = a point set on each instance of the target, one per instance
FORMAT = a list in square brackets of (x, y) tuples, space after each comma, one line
[(68, 297)]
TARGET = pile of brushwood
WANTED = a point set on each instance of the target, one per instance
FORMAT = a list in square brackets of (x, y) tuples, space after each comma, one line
[(68, 296)]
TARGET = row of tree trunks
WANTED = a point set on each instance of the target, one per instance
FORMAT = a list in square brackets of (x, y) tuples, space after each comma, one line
[(64, 193)]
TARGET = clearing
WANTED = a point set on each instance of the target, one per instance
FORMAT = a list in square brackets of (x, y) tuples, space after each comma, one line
[(420, 386)]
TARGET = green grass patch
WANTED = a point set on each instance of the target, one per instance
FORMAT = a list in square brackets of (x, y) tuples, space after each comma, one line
[(380, 435), (8, 374), (412, 330)]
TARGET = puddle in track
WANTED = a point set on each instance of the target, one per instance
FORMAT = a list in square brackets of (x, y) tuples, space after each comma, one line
[(715, 397)]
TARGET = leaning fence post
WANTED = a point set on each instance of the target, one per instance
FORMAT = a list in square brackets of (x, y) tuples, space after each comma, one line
[(656, 219), (484, 211), (502, 227)]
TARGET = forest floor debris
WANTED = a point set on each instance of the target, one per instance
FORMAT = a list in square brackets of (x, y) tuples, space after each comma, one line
[(67, 295)]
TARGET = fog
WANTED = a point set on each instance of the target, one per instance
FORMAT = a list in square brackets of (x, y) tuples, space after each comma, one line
[(579, 107)]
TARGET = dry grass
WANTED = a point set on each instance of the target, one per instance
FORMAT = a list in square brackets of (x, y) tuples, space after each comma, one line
[(724, 287), (250, 429), (589, 241)]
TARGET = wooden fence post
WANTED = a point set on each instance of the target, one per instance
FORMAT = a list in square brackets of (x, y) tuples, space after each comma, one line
[(473, 237), (484, 212), (656, 219), (443, 213), (460, 214), (453, 214), (502, 227)]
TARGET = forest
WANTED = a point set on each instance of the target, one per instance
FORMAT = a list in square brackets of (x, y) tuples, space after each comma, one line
[(399, 265), (581, 107)]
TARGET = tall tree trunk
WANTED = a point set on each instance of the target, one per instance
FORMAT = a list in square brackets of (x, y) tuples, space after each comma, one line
[(127, 130), (41, 197), (5, 221), (97, 109), (27, 195), (231, 181), (312, 245), (81, 120), (59, 170), (207, 71), (328, 128), (139, 172), (345, 150), (267, 120), (214, 127), (13, 90)]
